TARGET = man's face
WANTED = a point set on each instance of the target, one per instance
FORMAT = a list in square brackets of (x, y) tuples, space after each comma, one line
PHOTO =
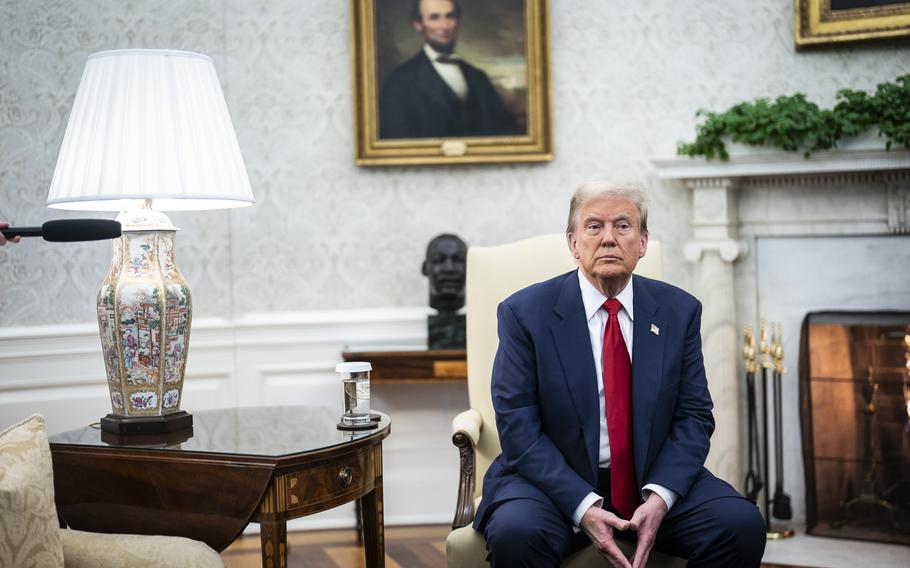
[(446, 268), (438, 24), (608, 242)]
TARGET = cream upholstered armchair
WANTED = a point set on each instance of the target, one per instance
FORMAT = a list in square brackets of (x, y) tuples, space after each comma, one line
[(493, 273), (29, 531)]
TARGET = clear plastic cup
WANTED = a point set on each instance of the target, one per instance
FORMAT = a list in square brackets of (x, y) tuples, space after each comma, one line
[(355, 392)]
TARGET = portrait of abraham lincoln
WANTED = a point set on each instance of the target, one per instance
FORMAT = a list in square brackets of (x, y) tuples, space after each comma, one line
[(450, 68), (451, 81)]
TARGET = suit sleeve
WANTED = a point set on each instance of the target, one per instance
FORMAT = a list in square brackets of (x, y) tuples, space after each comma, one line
[(527, 449), (681, 458)]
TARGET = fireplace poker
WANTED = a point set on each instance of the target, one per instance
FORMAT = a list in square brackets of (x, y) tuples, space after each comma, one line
[(753, 481), (765, 349), (766, 364), (781, 508)]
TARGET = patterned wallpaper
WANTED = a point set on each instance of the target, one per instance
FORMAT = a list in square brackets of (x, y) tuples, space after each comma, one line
[(627, 80)]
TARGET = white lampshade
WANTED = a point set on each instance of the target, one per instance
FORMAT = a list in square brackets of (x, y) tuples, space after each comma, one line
[(149, 124)]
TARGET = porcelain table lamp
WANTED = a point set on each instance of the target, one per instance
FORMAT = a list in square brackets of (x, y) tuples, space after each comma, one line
[(149, 132)]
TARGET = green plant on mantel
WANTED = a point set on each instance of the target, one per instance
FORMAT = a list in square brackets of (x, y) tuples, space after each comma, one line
[(793, 123)]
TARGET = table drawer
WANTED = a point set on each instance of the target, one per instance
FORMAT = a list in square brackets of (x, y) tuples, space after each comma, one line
[(327, 484)]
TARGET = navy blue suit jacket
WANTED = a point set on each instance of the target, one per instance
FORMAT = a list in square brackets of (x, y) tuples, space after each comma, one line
[(545, 395), (416, 102)]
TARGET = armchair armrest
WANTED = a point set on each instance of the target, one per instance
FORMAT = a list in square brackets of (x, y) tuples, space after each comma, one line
[(469, 422), (466, 434)]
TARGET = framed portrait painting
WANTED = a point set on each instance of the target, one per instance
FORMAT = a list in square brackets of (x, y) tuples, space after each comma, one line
[(832, 21), (451, 81)]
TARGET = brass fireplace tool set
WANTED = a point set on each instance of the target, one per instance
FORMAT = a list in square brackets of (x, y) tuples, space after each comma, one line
[(768, 357)]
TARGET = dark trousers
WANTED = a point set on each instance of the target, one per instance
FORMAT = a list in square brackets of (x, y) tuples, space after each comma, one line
[(727, 532)]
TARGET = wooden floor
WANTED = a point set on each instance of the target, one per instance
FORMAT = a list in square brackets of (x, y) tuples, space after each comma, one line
[(406, 547)]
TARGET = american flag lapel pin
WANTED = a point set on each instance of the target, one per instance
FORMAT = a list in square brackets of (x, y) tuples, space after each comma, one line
[(655, 330)]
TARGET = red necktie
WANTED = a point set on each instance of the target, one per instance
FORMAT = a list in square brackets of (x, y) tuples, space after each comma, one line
[(617, 377)]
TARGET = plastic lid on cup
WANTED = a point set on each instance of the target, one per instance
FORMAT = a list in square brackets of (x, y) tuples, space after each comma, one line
[(353, 367)]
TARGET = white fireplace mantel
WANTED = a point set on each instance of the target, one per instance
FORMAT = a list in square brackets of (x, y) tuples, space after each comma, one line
[(769, 194), (761, 162), (853, 192)]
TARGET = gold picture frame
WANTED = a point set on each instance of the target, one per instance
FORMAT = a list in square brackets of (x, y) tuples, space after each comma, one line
[(819, 22), (513, 60)]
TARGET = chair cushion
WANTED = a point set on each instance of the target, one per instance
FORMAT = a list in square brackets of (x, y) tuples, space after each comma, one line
[(97, 550), (465, 548), (29, 530)]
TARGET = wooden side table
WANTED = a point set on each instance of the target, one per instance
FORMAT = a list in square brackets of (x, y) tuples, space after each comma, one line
[(257, 464), (428, 366)]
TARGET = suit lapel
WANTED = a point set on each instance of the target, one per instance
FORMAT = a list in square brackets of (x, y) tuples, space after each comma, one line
[(433, 85), (573, 344), (647, 365)]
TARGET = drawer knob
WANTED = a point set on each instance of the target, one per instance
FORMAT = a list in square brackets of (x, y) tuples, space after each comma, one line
[(345, 476)]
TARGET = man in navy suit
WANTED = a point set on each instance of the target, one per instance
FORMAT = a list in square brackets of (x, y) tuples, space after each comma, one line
[(436, 94), (604, 414)]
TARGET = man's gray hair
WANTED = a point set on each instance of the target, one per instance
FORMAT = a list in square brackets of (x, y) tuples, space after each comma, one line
[(592, 191)]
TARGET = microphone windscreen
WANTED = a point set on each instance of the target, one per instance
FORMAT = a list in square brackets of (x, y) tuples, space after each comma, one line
[(71, 230)]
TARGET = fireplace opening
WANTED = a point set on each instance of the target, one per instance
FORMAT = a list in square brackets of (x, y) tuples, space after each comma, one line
[(855, 417)]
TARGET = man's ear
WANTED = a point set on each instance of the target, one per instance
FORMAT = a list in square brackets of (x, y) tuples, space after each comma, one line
[(423, 269), (644, 244), (417, 26), (570, 238)]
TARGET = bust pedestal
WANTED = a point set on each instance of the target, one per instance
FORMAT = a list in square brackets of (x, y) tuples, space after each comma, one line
[(446, 330)]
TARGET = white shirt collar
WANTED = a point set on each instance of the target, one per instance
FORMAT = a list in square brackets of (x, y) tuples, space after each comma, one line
[(593, 300)]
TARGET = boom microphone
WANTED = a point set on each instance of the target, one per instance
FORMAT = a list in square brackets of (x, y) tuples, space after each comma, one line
[(68, 230)]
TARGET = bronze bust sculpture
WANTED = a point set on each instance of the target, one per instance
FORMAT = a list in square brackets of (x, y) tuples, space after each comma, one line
[(445, 266)]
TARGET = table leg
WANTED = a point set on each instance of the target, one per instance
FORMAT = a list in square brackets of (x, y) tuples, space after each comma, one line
[(274, 536), (373, 524), (358, 521)]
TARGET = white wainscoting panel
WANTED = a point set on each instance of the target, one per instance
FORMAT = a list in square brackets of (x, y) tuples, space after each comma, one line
[(262, 359), (316, 385)]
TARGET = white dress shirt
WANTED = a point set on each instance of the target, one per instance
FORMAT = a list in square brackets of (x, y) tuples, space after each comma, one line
[(450, 72), (597, 319)]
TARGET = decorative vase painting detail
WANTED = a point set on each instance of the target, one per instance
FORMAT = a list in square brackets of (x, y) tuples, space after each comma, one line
[(144, 308), (171, 398)]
